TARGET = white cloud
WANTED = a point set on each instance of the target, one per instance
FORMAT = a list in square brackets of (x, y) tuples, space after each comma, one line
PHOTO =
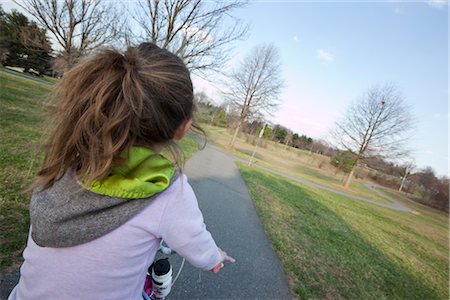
[(296, 39), (325, 56), (437, 3)]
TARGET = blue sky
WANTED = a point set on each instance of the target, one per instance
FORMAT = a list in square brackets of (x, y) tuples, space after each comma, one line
[(333, 51)]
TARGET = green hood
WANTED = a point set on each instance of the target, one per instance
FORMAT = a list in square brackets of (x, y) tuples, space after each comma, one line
[(144, 174), (66, 214)]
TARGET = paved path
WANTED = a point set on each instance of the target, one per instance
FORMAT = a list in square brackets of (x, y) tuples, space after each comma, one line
[(26, 76), (231, 218), (396, 205)]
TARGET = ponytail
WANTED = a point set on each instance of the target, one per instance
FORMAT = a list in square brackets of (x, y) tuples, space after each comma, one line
[(110, 102)]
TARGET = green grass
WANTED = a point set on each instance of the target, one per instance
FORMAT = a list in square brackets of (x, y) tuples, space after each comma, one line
[(189, 146), (335, 247), (22, 119)]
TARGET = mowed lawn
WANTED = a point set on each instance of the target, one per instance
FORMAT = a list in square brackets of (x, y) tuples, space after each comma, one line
[(333, 247), (22, 108), (23, 126)]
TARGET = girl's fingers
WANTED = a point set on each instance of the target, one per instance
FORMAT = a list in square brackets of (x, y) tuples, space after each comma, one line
[(226, 257), (229, 259)]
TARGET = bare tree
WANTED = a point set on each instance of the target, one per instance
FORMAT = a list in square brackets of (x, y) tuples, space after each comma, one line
[(198, 31), (378, 123), (255, 85), (77, 26)]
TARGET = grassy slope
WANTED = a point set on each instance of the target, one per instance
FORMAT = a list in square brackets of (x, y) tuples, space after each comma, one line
[(22, 119), (335, 247)]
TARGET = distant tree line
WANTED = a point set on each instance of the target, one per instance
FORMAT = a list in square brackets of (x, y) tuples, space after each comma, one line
[(420, 185), (432, 190), (224, 116)]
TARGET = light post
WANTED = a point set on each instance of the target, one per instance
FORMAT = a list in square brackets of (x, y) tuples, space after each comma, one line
[(407, 171), (261, 133)]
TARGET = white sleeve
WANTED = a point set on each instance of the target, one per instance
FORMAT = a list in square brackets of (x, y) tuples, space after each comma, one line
[(183, 230)]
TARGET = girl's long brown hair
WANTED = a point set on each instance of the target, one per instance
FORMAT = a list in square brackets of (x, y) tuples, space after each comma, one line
[(110, 102)]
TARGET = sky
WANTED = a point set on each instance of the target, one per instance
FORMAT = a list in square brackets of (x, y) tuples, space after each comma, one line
[(333, 51)]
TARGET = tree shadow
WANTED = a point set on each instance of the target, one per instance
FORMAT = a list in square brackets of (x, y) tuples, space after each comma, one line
[(330, 258)]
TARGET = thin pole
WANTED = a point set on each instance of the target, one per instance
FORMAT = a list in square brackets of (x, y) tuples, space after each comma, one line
[(261, 133), (404, 177), (285, 145)]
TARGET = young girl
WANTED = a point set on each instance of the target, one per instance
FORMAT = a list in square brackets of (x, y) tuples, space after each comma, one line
[(105, 197)]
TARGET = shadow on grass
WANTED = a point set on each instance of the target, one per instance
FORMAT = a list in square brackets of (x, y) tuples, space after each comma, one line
[(326, 257)]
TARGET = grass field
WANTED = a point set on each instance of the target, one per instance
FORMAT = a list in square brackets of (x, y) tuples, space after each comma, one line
[(334, 247), (22, 123)]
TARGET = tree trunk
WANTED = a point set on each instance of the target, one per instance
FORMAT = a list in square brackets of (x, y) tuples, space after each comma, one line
[(236, 132), (404, 178), (349, 177), (285, 146), (401, 184)]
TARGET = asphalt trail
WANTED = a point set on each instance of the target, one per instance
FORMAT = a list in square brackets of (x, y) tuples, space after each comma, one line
[(231, 218), (26, 76), (396, 205)]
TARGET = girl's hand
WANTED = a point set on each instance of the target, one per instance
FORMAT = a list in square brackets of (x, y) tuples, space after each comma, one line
[(225, 257)]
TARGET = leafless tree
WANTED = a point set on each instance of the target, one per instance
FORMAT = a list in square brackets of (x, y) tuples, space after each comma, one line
[(77, 26), (200, 32), (378, 123), (255, 85)]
